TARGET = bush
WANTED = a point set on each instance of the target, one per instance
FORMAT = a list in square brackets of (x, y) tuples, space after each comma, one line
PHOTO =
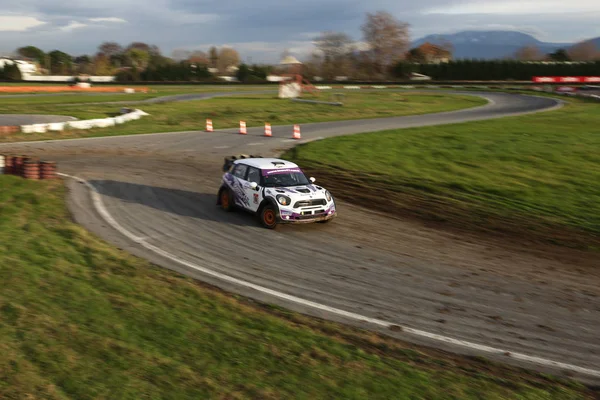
[(11, 72)]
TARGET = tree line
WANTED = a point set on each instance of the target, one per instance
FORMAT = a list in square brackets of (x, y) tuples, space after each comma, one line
[(382, 52), (475, 70)]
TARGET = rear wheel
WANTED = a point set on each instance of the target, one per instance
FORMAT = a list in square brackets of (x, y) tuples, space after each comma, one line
[(226, 200), (268, 217)]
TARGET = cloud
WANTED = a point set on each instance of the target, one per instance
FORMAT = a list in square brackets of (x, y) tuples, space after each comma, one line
[(17, 23), (108, 19), (262, 29), (512, 7), (72, 26)]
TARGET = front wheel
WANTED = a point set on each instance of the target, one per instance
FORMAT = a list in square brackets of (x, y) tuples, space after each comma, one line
[(226, 199), (268, 217)]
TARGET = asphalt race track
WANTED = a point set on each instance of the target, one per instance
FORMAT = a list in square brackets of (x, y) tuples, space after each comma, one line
[(156, 197)]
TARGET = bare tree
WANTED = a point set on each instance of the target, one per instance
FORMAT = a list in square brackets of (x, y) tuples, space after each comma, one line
[(110, 49), (198, 57), (228, 57), (529, 53), (285, 53), (388, 40), (180, 55), (213, 55), (335, 49), (584, 51)]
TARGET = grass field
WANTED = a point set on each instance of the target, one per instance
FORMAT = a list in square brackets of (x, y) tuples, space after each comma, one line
[(255, 109), (82, 320), (535, 174)]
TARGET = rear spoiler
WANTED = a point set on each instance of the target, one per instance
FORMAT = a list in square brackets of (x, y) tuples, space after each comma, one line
[(229, 160)]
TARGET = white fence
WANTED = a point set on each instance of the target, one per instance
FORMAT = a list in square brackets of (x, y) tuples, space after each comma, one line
[(83, 124), (65, 78)]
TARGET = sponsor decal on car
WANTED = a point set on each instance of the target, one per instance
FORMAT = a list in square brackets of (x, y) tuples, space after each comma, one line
[(267, 172)]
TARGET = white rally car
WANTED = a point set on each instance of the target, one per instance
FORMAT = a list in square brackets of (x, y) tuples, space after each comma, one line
[(275, 190)]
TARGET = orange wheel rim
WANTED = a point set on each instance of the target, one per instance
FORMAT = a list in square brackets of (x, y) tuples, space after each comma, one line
[(269, 217), (225, 199)]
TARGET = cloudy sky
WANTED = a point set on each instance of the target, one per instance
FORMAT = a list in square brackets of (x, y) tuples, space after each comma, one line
[(262, 29)]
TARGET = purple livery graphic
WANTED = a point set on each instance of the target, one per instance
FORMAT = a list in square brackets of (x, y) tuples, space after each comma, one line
[(284, 195)]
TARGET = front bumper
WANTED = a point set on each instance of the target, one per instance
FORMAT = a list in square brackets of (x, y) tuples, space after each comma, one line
[(293, 217)]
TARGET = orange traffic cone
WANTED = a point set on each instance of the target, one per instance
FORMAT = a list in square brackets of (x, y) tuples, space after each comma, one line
[(297, 132), (243, 127), (268, 129), (209, 127)]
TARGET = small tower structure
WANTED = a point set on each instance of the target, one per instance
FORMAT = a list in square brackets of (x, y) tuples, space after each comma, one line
[(293, 84)]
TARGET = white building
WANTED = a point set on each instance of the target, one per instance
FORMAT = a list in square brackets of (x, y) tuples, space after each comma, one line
[(26, 67)]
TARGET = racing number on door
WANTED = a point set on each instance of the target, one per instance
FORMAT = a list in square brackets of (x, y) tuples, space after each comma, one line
[(253, 194)]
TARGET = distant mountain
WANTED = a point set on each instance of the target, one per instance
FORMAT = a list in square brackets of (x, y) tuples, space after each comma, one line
[(490, 44)]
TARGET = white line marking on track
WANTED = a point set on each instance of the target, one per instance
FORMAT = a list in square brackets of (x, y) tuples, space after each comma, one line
[(222, 147), (99, 205), (255, 144)]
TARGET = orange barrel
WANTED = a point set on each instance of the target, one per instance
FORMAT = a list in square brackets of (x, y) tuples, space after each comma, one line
[(8, 169), (31, 169), (17, 164), (48, 170)]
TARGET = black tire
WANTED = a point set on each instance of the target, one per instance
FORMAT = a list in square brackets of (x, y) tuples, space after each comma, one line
[(226, 200), (268, 216)]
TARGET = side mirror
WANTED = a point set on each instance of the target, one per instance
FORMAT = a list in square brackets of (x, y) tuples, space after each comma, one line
[(253, 185), (312, 179)]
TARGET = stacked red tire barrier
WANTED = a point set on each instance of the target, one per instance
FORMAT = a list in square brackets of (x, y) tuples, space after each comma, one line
[(27, 167)]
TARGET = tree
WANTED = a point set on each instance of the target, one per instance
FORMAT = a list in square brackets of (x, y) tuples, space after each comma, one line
[(83, 64), (284, 54), (150, 49), (388, 40), (139, 57), (335, 49), (529, 53), (228, 57), (60, 62), (10, 72), (584, 51), (102, 65), (180, 54), (31, 52), (213, 56), (243, 73), (198, 57), (559, 55), (110, 49)]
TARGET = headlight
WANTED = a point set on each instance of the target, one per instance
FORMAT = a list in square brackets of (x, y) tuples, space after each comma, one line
[(328, 195), (284, 200)]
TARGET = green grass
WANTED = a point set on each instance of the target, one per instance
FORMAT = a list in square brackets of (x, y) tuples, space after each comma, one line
[(538, 174), (255, 109), (82, 320), (154, 91)]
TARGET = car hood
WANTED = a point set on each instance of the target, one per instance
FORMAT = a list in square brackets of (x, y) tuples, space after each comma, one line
[(299, 192)]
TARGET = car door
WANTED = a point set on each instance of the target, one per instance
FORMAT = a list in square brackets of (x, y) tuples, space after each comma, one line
[(238, 185), (254, 195)]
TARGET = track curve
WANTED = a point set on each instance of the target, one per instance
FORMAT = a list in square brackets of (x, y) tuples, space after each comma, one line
[(162, 188)]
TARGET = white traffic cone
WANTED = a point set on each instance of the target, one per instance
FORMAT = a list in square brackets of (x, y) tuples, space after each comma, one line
[(268, 130), (296, 132)]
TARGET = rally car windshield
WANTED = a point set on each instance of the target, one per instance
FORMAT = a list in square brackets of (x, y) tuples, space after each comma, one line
[(286, 179)]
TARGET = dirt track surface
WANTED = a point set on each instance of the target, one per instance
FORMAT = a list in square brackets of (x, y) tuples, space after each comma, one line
[(542, 302), (26, 119)]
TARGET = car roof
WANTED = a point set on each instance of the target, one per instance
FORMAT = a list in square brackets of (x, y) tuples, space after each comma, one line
[(266, 163)]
